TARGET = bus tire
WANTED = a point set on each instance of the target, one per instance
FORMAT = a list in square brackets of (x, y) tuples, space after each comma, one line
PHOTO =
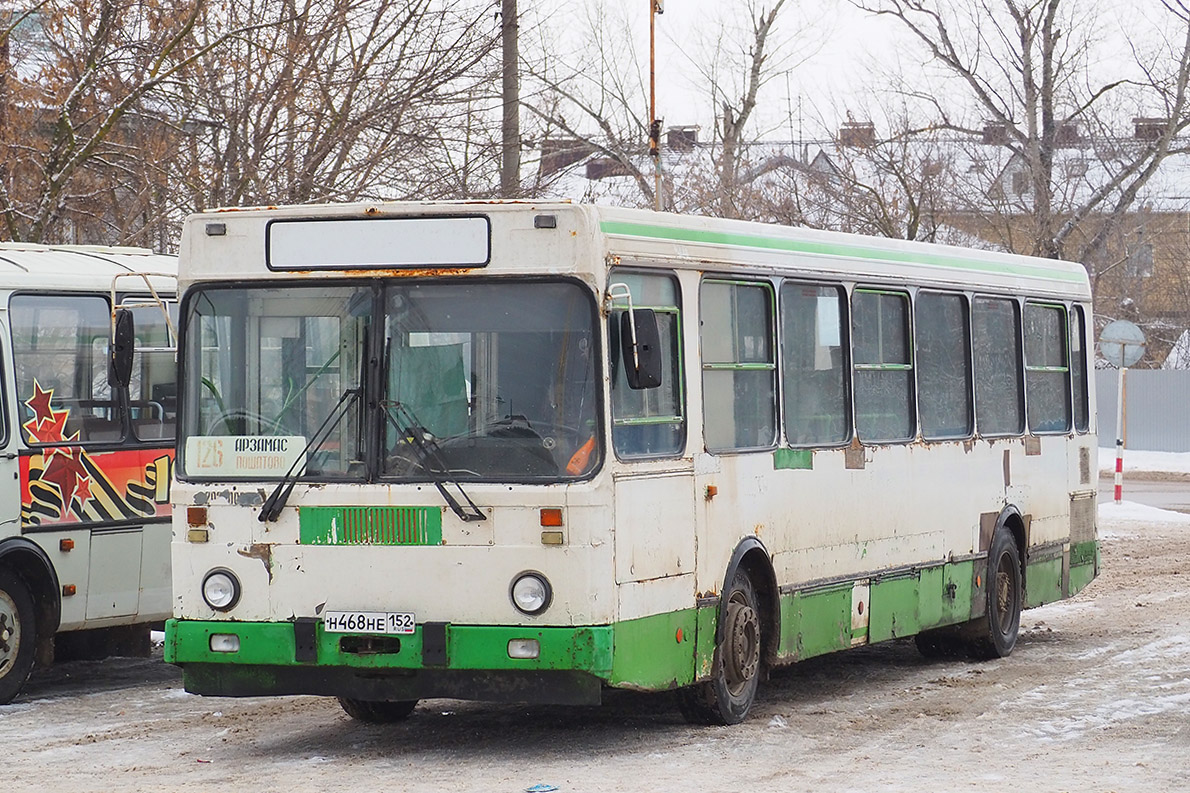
[(18, 635), (995, 633), (735, 674), (377, 711)]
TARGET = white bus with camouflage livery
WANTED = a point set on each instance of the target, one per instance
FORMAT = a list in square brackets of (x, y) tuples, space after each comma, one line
[(86, 446)]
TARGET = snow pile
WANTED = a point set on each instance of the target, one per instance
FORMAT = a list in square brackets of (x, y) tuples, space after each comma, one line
[(1129, 510), (1145, 462)]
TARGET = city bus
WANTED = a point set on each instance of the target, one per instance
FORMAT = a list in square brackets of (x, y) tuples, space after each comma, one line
[(531, 451), (86, 451)]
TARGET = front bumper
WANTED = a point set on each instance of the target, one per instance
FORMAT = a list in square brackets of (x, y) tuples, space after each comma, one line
[(437, 660)]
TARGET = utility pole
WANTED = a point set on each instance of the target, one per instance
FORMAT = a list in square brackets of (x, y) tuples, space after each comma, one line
[(510, 154), (654, 122)]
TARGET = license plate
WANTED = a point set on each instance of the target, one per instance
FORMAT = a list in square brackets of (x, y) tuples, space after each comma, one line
[(378, 622)]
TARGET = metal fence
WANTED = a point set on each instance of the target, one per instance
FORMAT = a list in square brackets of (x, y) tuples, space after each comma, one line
[(1157, 404)]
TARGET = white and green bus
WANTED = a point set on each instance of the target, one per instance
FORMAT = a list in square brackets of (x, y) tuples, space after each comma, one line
[(86, 448), (527, 452)]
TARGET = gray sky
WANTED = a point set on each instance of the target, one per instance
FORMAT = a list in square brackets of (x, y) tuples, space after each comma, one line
[(832, 49)]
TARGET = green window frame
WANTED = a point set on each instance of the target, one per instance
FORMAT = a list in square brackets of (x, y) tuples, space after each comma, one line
[(815, 384), (1078, 368), (943, 344), (882, 362), (999, 366), (1047, 368), (739, 367), (649, 422)]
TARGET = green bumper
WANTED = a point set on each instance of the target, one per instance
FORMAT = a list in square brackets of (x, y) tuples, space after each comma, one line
[(461, 661)]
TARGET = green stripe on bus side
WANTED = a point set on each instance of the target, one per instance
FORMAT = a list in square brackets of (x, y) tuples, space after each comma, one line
[(1043, 582), (621, 228), (657, 652), (793, 459), (815, 622)]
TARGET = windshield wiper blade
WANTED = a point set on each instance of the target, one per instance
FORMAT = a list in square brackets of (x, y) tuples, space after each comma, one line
[(430, 457), (271, 510)]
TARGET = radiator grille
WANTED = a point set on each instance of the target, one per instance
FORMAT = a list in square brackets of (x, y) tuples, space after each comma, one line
[(371, 526)]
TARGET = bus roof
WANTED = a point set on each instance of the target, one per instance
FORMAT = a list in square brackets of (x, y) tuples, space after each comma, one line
[(26, 265), (702, 242)]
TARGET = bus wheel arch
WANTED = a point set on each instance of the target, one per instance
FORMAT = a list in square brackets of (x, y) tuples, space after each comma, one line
[(745, 640), (29, 563)]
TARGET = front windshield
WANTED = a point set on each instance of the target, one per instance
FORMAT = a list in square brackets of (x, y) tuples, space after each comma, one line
[(500, 377), (265, 368), (465, 381)]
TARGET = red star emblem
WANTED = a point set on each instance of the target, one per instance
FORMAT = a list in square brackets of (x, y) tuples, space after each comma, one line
[(39, 403), (84, 489), (63, 471), (50, 430)]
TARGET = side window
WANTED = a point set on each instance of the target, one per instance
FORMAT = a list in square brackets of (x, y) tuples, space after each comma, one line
[(60, 353), (813, 364), (996, 346), (739, 389), (1047, 370), (649, 422), (943, 366), (883, 365), (153, 390), (1078, 368)]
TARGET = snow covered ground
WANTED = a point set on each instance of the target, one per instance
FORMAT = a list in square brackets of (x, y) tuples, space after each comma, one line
[(1094, 700)]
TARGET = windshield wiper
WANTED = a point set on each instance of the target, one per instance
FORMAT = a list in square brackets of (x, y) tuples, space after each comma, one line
[(276, 500), (429, 455)]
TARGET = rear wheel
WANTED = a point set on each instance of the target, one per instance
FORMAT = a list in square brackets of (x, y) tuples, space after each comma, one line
[(996, 632), (18, 635), (728, 696), (377, 712)]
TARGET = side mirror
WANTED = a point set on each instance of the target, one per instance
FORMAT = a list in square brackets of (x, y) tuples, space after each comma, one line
[(119, 372), (640, 346)]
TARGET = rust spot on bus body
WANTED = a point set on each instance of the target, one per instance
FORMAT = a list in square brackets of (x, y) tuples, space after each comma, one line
[(389, 272), (262, 551)]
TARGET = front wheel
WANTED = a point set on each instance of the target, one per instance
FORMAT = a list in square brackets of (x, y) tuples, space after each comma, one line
[(377, 712), (728, 696), (18, 635), (996, 632)]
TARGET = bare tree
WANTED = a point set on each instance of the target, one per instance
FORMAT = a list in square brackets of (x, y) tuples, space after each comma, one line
[(591, 99), (1027, 67), (341, 100), (79, 87), (734, 75)]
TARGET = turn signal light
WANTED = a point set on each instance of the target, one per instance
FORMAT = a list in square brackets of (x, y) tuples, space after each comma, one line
[(196, 516), (66, 544), (551, 516)]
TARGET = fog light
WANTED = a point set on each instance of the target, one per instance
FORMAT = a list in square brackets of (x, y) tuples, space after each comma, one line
[(524, 648), (221, 589), (225, 643), (531, 593)]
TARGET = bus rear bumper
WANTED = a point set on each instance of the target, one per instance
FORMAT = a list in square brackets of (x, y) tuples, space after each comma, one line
[(455, 661)]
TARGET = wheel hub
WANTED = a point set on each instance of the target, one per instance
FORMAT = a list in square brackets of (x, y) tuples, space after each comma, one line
[(10, 637), (743, 644)]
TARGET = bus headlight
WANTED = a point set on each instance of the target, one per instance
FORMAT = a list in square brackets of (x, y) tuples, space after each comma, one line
[(221, 589), (531, 593)]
